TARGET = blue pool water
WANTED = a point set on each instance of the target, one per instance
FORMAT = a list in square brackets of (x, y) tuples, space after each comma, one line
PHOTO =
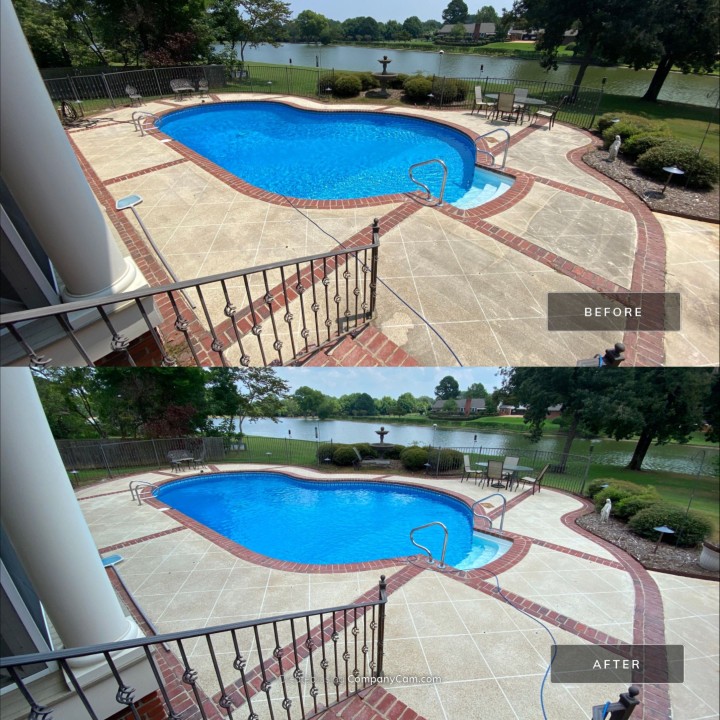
[(328, 522), (332, 155)]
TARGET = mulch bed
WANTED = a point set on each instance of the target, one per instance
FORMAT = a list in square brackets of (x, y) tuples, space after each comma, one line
[(677, 199), (670, 559)]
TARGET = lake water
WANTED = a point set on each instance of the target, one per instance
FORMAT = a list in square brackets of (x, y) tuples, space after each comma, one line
[(670, 458), (693, 89)]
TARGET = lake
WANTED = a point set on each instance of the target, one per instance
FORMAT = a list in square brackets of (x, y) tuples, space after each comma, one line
[(670, 458), (693, 89)]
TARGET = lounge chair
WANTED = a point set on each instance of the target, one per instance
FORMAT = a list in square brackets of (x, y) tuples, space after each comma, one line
[(495, 473), (536, 482), (133, 94), (372, 462), (181, 87), (506, 109), (480, 102), (469, 470)]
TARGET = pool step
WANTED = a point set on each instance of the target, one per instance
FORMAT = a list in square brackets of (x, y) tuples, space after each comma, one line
[(479, 194), (369, 348)]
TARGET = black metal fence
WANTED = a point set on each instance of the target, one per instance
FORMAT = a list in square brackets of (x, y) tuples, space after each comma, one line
[(292, 665), (579, 106)]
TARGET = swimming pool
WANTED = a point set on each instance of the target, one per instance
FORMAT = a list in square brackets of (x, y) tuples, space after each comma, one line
[(325, 523), (332, 155)]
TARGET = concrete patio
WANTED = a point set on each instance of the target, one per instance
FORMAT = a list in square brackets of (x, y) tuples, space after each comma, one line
[(487, 658), (480, 277)]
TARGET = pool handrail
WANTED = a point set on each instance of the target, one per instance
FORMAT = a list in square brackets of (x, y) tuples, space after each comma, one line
[(487, 152), (422, 547), (483, 515), (425, 187), (135, 117), (135, 486)]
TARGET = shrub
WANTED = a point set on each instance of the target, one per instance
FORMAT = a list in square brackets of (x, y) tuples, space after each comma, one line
[(367, 80), (398, 82), (638, 144), (632, 505), (700, 171), (346, 86), (596, 486), (414, 458), (417, 88), (627, 128), (605, 121), (453, 91), (445, 459), (365, 450), (393, 452), (688, 531), (615, 494), (325, 450), (344, 455)]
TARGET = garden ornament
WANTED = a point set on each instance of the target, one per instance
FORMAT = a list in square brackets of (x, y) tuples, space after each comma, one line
[(612, 153), (605, 512)]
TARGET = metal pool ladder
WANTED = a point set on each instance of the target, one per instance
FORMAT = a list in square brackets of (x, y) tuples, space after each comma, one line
[(483, 516), (422, 547), (425, 187), (487, 152), (136, 120), (135, 486)]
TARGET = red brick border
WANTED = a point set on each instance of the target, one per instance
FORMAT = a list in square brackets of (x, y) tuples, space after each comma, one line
[(138, 540)]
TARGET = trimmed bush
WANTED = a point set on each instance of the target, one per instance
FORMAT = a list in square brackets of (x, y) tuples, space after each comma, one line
[(397, 83), (689, 531), (346, 86), (700, 171), (417, 88), (365, 450), (616, 494), (414, 458), (393, 452), (596, 486), (325, 450), (344, 455), (367, 81), (605, 121), (638, 144), (453, 91), (446, 459), (630, 506), (627, 128)]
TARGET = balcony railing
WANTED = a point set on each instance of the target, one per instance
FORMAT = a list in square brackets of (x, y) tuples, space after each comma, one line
[(273, 314), (292, 666)]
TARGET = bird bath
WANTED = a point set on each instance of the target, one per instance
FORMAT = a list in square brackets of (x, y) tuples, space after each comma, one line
[(382, 447), (384, 77)]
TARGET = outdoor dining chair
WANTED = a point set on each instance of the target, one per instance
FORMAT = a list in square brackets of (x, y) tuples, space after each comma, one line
[(480, 102), (520, 97), (549, 112), (469, 470), (133, 94), (203, 88), (536, 482), (506, 109), (508, 474), (495, 473)]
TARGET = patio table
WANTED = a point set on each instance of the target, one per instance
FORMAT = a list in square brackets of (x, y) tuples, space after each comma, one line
[(515, 469), (179, 457)]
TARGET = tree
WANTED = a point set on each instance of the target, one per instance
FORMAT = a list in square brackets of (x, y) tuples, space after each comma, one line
[(487, 14), (712, 411), (413, 26), (258, 24), (45, 31), (603, 28), (363, 404), (308, 400), (455, 12), (476, 390), (252, 393), (450, 406), (685, 35), (386, 406), (392, 30), (458, 32), (328, 407), (658, 405), (361, 28), (405, 404), (310, 26), (447, 388)]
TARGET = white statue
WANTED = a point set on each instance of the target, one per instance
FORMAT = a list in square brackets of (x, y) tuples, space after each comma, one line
[(614, 148), (605, 512)]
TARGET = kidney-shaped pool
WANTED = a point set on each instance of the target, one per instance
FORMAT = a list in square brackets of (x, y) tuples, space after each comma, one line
[(332, 155), (326, 523)]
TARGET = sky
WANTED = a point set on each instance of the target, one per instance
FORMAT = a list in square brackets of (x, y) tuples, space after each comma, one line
[(379, 382), (384, 10)]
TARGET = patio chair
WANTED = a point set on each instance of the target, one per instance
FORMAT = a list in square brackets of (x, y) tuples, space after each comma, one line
[(506, 109), (181, 87), (133, 94), (198, 459), (549, 112), (508, 474), (495, 473), (203, 88), (469, 470), (480, 102), (536, 482), (520, 97)]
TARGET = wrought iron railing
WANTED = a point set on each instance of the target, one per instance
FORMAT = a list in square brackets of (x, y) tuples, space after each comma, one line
[(294, 665), (299, 305)]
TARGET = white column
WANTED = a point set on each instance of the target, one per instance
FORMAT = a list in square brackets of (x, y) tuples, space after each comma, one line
[(43, 520), (45, 178)]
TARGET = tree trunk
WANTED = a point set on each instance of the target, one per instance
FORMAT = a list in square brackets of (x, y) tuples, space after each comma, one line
[(587, 58), (572, 431), (641, 449), (663, 70)]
